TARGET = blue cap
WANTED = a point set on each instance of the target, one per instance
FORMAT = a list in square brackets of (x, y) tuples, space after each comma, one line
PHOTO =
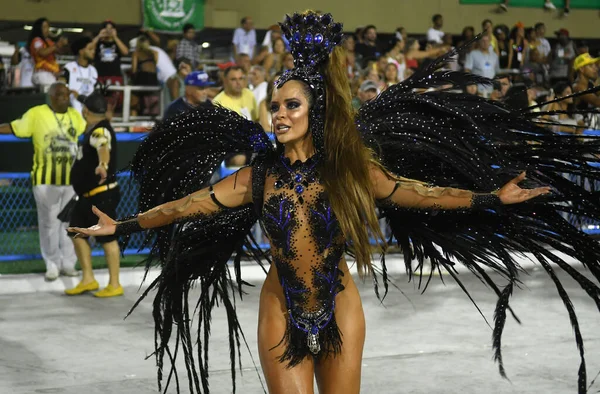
[(198, 78)]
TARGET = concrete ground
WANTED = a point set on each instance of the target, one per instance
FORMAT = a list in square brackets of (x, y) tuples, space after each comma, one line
[(431, 343)]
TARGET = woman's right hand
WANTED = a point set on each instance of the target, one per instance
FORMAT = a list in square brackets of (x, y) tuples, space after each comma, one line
[(105, 226)]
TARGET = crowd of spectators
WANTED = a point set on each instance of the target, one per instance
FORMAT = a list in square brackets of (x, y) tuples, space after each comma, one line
[(511, 55), (527, 70)]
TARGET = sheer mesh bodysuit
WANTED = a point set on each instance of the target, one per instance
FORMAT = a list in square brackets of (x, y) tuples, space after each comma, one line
[(307, 246)]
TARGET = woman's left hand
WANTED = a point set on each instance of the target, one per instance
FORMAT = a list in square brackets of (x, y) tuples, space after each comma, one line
[(511, 193)]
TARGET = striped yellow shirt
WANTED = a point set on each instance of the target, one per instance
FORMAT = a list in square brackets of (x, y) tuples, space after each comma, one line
[(54, 139)]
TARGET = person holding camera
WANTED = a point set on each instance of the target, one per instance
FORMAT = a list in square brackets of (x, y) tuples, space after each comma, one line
[(107, 60)]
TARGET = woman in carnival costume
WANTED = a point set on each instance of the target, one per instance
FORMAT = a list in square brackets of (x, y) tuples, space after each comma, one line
[(315, 194)]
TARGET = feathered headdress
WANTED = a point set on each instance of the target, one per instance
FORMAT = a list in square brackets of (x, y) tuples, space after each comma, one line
[(312, 37)]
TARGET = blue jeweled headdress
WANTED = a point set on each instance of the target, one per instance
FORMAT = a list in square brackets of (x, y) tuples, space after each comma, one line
[(312, 37)]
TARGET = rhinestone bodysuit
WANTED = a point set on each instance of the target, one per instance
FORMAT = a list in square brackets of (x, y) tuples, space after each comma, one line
[(307, 246)]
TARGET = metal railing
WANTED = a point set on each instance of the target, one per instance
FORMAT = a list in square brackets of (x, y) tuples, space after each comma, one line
[(126, 119)]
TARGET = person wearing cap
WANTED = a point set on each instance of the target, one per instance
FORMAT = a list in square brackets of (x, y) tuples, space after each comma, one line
[(368, 90), (561, 57), (586, 69), (53, 129), (94, 179), (195, 95), (80, 75)]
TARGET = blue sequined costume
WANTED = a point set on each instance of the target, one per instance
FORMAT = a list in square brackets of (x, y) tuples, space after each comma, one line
[(306, 246)]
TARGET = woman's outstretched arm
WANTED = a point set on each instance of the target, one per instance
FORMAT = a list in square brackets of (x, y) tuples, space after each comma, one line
[(231, 192), (410, 193)]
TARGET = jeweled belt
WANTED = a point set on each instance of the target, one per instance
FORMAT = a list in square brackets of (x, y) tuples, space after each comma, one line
[(311, 323)]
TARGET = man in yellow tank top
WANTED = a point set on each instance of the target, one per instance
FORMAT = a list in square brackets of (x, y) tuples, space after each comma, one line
[(53, 129)]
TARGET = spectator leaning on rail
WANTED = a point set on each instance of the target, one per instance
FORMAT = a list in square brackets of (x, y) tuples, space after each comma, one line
[(195, 95), (54, 129), (94, 179)]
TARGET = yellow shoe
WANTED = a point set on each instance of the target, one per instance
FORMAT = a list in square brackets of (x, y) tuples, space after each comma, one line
[(81, 288), (109, 291)]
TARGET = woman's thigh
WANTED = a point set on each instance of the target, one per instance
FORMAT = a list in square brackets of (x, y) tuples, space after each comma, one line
[(340, 374), (271, 329)]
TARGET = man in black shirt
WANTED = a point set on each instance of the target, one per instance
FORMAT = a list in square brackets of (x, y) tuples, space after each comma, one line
[(107, 60), (368, 49), (196, 94), (94, 179)]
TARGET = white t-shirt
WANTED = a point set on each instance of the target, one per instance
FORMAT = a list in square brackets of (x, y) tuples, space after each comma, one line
[(164, 66), (544, 48), (260, 92), (434, 35), (26, 68), (267, 42), (244, 41), (80, 79)]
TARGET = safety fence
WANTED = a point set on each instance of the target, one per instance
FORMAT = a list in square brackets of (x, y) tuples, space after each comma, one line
[(19, 237)]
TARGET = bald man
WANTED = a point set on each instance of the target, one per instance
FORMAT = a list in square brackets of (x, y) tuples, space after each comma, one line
[(53, 129)]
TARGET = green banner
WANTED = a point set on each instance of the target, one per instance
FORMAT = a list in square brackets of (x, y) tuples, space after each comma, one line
[(593, 4), (171, 15)]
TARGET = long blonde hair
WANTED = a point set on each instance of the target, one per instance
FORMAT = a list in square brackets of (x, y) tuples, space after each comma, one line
[(348, 161)]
